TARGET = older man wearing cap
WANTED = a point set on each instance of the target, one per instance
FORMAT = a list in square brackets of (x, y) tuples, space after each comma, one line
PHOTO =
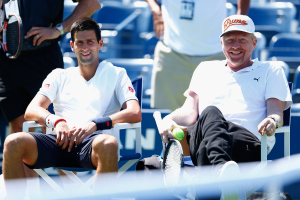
[(237, 100)]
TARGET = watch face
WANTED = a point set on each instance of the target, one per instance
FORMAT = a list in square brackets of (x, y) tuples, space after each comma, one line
[(59, 26)]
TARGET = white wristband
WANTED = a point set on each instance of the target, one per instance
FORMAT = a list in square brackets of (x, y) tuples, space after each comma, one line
[(51, 120)]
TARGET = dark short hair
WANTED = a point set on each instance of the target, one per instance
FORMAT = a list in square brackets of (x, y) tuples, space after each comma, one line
[(84, 24)]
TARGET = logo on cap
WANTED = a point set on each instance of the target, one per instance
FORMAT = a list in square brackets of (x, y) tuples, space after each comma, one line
[(229, 23)]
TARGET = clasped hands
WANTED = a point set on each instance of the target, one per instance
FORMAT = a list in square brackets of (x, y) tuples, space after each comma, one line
[(69, 137)]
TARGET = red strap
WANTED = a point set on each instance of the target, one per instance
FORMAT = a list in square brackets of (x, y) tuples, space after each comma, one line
[(58, 121)]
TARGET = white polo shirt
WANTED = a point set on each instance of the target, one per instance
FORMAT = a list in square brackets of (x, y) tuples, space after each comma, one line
[(79, 101), (241, 96)]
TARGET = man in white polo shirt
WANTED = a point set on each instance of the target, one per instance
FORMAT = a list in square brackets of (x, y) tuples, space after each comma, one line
[(237, 100), (188, 31), (88, 101)]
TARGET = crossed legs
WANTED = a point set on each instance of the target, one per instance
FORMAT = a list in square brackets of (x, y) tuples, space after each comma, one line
[(214, 141)]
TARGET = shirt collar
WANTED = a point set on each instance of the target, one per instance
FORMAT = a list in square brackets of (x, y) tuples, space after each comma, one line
[(247, 69)]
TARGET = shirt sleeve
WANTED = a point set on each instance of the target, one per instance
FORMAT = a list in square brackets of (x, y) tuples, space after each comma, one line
[(194, 81), (278, 87), (124, 88), (50, 84)]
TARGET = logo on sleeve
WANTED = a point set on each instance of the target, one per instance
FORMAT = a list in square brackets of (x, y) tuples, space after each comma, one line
[(47, 86), (131, 89)]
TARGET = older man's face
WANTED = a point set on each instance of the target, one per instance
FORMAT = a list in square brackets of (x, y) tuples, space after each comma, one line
[(238, 47)]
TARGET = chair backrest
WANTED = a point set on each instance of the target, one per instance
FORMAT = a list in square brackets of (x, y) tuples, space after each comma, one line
[(69, 62), (138, 87), (137, 67), (287, 112), (285, 45), (261, 44), (113, 13), (296, 87)]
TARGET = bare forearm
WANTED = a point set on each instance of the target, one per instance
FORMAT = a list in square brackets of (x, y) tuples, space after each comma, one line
[(243, 7), (85, 8), (183, 116), (153, 4), (37, 114), (129, 116), (37, 109), (131, 113)]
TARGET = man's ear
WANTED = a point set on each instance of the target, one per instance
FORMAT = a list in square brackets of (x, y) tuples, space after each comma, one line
[(100, 43), (72, 45)]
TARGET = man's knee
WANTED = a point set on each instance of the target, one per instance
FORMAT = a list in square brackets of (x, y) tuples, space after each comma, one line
[(105, 144), (19, 143), (212, 113), (14, 143), (211, 110)]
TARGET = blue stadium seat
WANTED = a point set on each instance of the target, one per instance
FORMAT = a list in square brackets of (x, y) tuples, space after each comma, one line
[(231, 9), (69, 62), (137, 68), (69, 6), (271, 18), (286, 47), (261, 44), (149, 44), (130, 21)]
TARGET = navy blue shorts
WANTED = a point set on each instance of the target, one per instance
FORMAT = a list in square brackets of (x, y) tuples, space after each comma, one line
[(51, 155)]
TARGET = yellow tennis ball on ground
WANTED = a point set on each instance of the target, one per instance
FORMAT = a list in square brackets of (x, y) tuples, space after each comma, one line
[(178, 133)]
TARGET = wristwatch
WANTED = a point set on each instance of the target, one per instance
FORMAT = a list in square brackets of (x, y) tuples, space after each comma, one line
[(60, 27), (275, 120)]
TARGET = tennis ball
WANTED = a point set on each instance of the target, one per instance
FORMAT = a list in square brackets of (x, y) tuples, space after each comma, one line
[(178, 133)]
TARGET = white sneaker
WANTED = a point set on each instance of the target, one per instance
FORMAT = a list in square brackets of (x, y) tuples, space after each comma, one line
[(229, 170)]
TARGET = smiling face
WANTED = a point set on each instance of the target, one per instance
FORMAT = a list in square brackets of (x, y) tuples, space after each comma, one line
[(86, 47), (238, 47)]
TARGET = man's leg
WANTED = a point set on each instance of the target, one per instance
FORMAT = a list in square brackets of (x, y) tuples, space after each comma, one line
[(18, 148), (105, 154), (16, 126), (104, 158), (210, 142)]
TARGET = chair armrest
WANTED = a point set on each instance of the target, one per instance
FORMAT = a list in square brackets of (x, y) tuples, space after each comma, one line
[(30, 124), (286, 131), (287, 139), (137, 126)]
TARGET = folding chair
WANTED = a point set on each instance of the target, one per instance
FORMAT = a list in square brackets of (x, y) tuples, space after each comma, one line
[(130, 158), (284, 129)]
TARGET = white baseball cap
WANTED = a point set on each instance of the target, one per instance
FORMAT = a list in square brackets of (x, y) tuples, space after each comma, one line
[(237, 23)]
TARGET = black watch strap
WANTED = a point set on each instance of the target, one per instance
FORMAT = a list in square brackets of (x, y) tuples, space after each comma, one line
[(275, 120)]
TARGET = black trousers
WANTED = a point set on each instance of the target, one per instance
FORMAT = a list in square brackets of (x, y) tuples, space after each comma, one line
[(214, 141)]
